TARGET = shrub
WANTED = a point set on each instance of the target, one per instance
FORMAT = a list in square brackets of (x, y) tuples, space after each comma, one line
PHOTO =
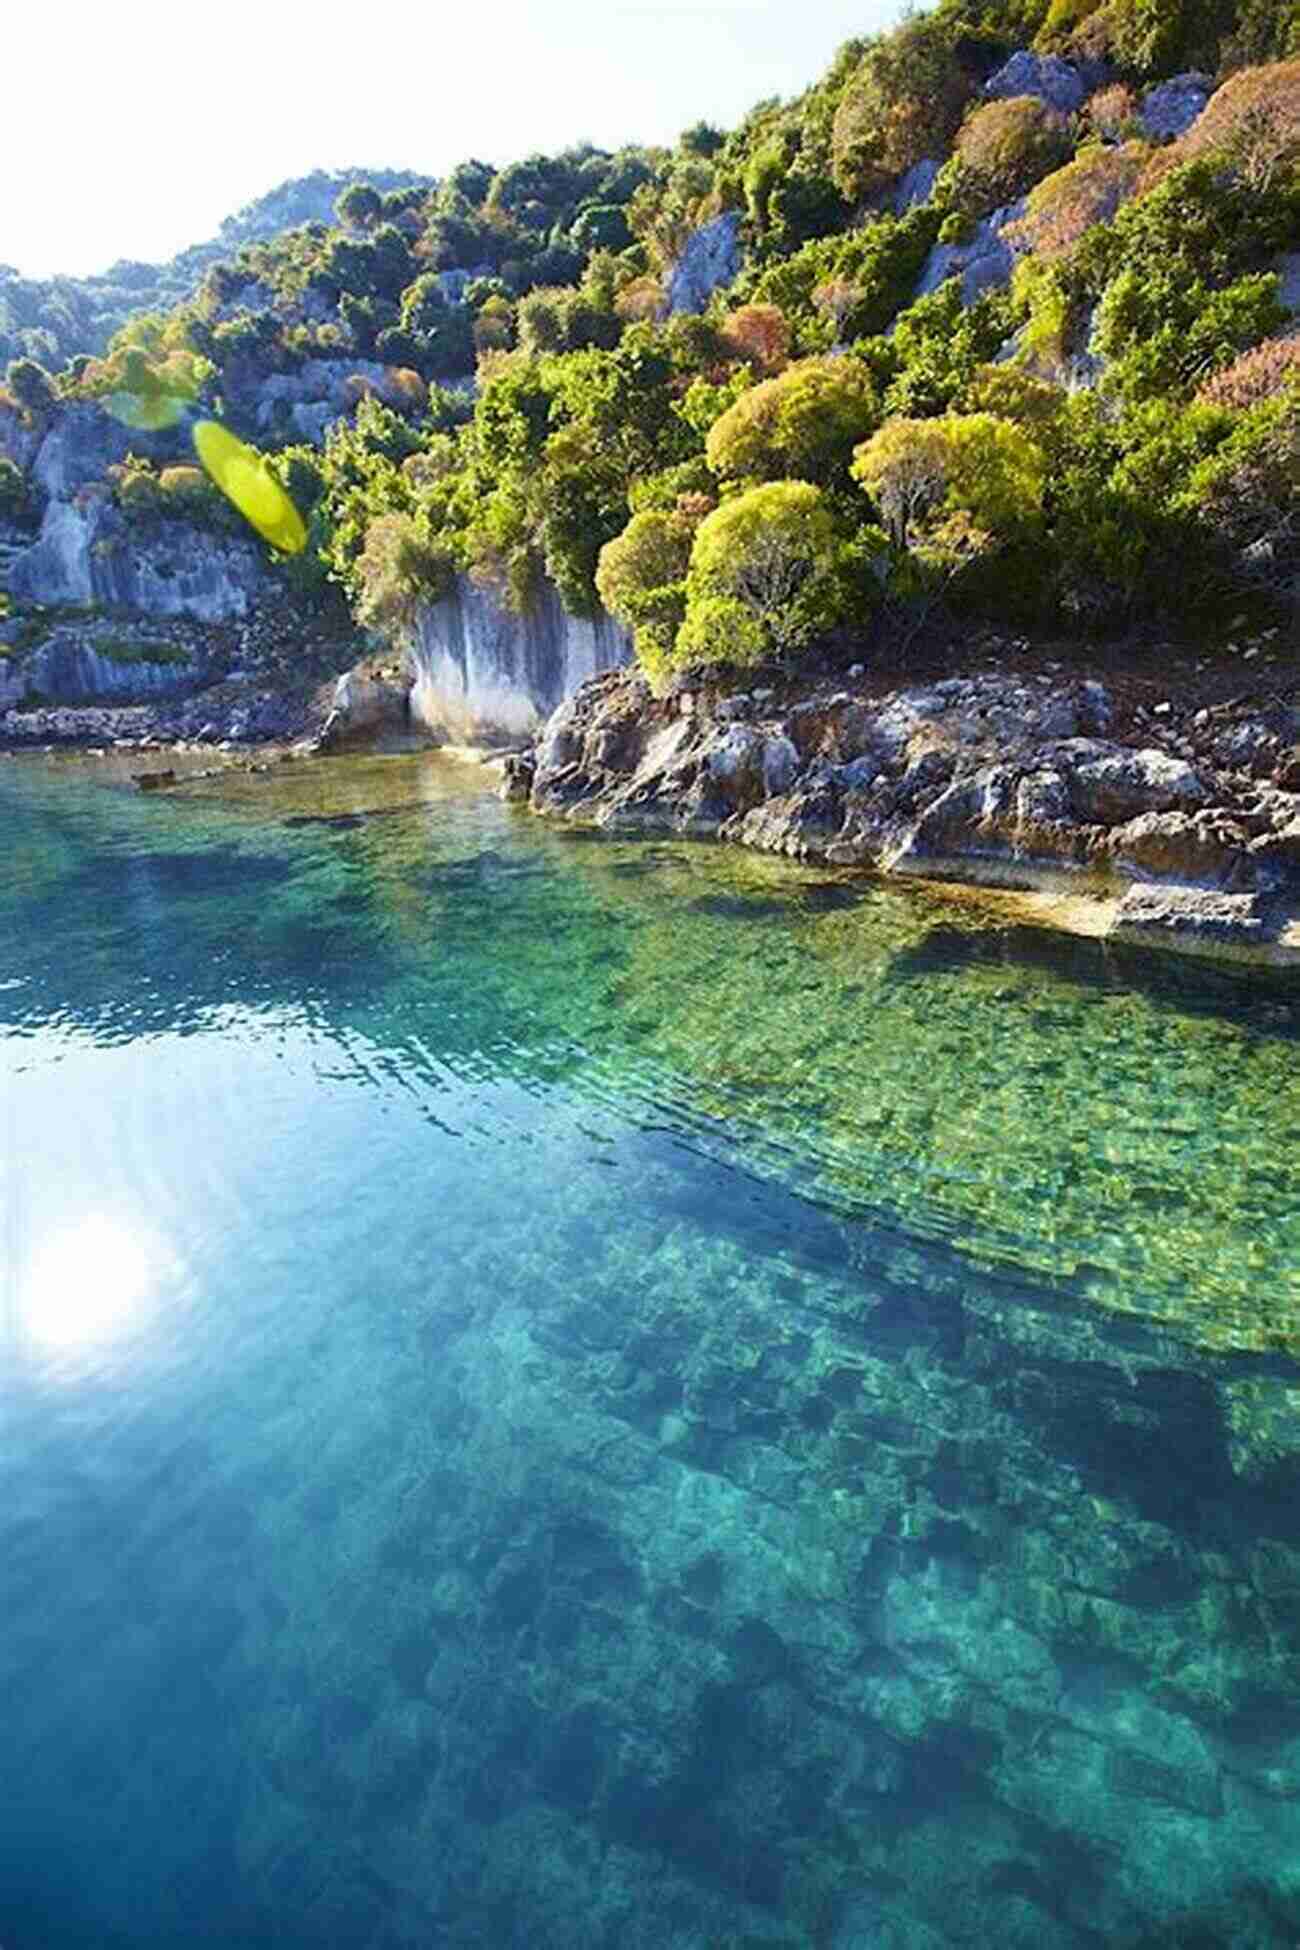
[(16, 503), (1071, 200), (1003, 148), (1256, 376), (359, 206), (903, 102), (641, 580), (1252, 124), (920, 472), (1112, 114), (399, 570), (1164, 332), (758, 335), (803, 424), (764, 579), (1247, 495), (32, 387)]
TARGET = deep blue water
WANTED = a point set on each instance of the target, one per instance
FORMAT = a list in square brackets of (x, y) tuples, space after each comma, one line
[(586, 1394)]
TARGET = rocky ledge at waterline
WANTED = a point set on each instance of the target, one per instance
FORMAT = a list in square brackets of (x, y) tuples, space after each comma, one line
[(1177, 829)]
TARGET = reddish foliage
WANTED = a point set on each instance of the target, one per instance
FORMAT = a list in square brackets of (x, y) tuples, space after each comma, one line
[(760, 336), (1088, 190), (1253, 121), (1257, 375)]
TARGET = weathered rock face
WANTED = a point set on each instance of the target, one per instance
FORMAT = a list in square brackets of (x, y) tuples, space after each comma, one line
[(73, 666), (301, 405), (87, 553), (1058, 83), (84, 442), (995, 779), (984, 263), (482, 672), (1170, 109), (710, 260), (915, 185)]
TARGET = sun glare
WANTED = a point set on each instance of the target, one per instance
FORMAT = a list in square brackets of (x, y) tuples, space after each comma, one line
[(91, 1282)]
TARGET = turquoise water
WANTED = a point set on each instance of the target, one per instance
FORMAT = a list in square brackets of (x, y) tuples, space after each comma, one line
[(573, 1393)]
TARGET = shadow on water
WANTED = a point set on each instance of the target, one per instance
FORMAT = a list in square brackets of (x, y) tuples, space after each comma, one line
[(1269, 998)]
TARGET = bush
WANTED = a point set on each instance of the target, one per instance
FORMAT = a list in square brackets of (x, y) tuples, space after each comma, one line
[(1066, 204), (904, 101), (399, 570), (32, 387), (921, 472), (765, 577), (1252, 123), (1163, 333), (641, 580), (758, 335), (17, 505), (1004, 148), (802, 425), (1257, 375)]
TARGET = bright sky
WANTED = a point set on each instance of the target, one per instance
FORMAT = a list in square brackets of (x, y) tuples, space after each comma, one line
[(132, 130)]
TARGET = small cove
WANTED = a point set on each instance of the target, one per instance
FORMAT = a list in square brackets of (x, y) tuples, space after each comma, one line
[(565, 1391)]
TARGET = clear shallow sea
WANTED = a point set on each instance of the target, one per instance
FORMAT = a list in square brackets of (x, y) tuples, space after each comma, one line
[(578, 1394)]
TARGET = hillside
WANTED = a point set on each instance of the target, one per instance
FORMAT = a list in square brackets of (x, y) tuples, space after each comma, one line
[(53, 319), (997, 320)]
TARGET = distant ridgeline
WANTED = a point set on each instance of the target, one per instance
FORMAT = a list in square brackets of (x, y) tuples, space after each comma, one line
[(53, 319), (1001, 314)]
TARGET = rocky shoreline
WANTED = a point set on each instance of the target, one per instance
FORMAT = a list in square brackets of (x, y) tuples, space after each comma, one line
[(1174, 825)]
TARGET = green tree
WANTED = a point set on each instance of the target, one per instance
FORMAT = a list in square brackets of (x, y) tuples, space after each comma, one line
[(641, 580), (764, 579)]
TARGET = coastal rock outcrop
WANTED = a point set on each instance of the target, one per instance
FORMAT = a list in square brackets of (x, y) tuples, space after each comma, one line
[(1012, 781), (481, 671), (88, 553)]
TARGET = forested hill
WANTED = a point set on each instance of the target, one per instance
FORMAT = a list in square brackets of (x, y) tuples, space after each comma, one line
[(1001, 314), (53, 319)]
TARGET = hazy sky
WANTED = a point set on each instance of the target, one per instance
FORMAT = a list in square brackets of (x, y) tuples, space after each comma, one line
[(132, 130)]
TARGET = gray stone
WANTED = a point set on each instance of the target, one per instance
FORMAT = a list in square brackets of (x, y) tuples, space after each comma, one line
[(710, 260), (915, 185), (1169, 110), (1053, 80), (480, 670), (1190, 916), (88, 553), (1119, 785), (984, 263)]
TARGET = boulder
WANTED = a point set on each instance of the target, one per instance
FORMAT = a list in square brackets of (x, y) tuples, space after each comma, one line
[(1120, 784), (709, 261), (361, 707), (1054, 81), (1169, 110)]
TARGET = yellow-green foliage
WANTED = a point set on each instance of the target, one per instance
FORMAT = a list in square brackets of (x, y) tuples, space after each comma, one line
[(400, 568), (804, 424), (920, 473), (764, 577), (641, 580), (903, 102)]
